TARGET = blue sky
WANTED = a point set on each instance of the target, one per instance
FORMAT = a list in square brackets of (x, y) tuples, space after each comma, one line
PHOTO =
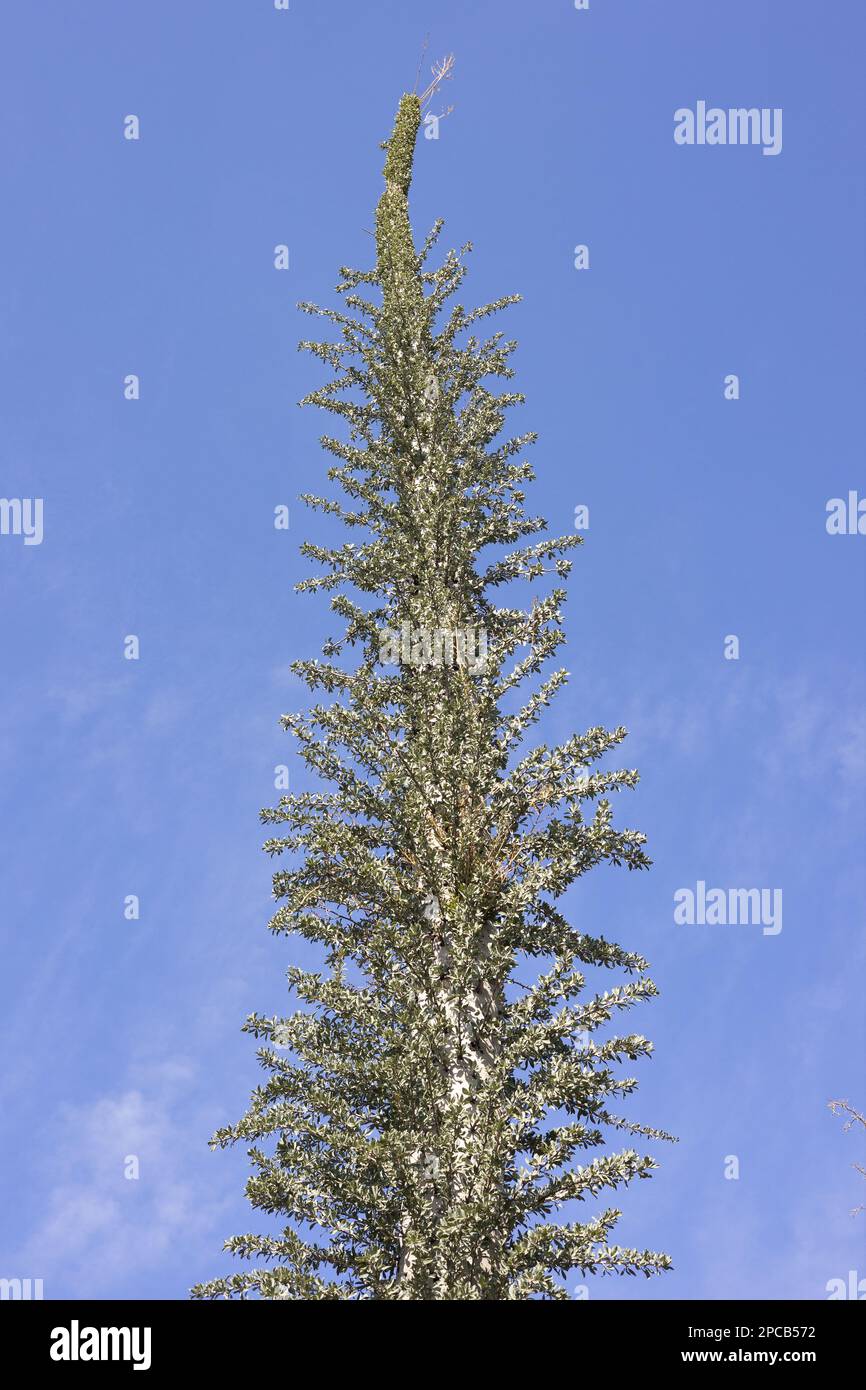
[(707, 518)]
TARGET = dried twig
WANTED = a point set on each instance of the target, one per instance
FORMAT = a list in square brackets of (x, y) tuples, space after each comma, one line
[(420, 61), (441, 72), (854, 1117)]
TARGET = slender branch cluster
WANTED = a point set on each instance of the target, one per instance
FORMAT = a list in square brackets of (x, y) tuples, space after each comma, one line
[(429, 1113), (852, 1117)]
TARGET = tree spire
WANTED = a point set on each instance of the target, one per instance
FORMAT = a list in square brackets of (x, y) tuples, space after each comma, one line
[(426, 1107), (396, 260)]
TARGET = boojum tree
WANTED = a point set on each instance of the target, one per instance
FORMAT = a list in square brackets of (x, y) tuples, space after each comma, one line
[(427, 1112)]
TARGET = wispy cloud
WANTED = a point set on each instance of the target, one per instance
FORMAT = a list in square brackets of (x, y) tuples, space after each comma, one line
[(101, 1231)]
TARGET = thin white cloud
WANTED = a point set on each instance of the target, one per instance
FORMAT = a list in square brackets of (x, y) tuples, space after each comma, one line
[(101, 1230)]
